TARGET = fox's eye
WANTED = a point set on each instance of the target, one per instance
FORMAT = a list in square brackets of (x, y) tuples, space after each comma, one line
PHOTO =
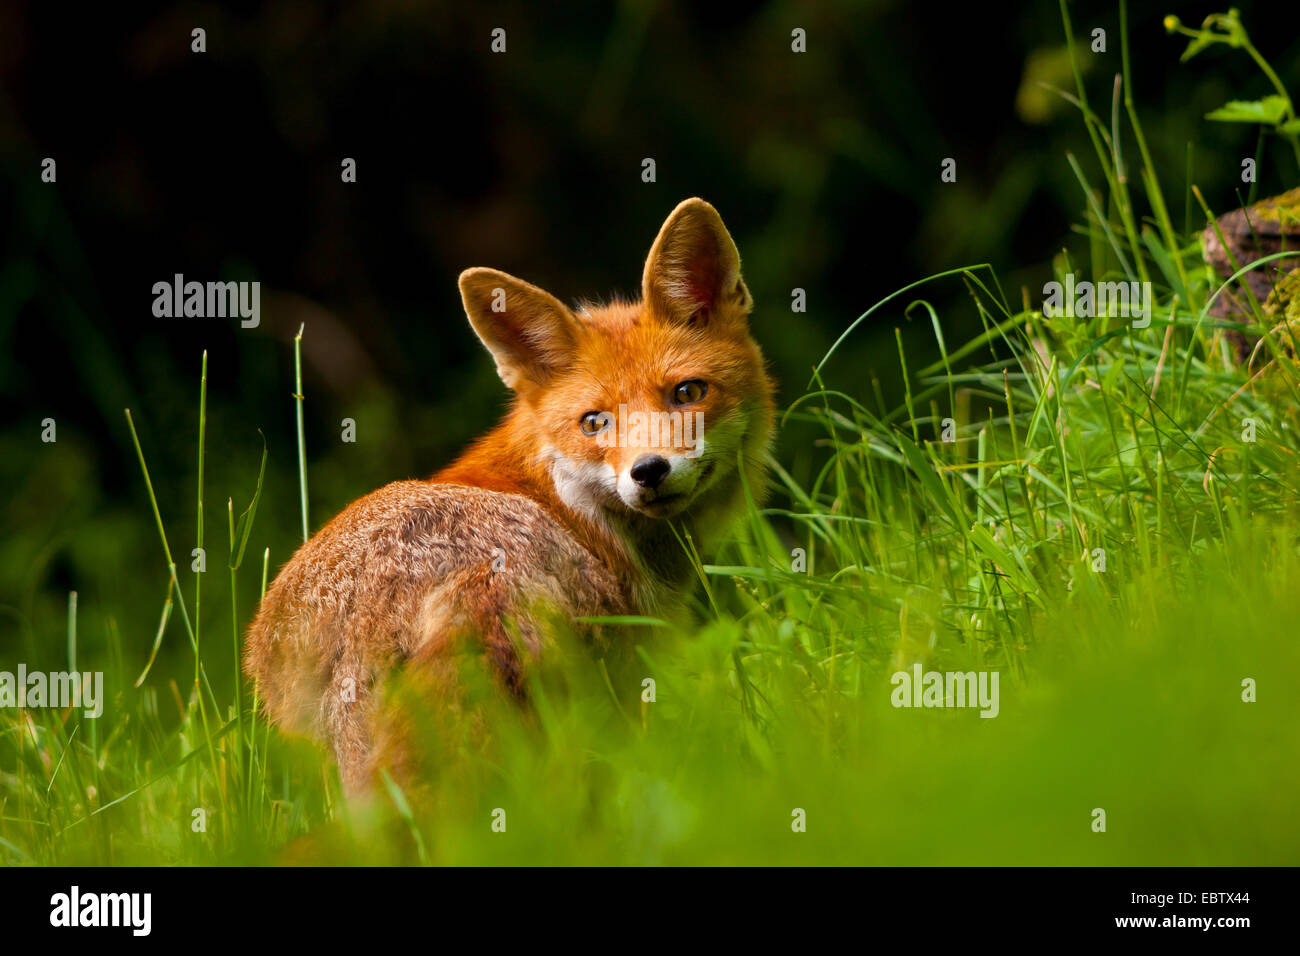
[(690, 392), (593, 423)]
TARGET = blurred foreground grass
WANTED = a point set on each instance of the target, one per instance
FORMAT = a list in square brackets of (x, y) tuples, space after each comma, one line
[(1132, 704)]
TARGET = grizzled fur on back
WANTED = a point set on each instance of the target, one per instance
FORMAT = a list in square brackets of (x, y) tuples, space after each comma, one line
[(403, 574)]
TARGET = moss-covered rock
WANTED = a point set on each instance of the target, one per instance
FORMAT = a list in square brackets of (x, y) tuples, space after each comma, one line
[(1271, 225)]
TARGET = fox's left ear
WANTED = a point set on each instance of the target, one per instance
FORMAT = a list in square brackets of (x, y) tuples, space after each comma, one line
[(692, 274)]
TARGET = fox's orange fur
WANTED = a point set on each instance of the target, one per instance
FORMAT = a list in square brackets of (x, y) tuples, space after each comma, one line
[(540, 516)]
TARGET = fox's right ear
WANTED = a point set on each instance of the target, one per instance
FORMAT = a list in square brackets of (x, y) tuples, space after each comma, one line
[(529, 332)]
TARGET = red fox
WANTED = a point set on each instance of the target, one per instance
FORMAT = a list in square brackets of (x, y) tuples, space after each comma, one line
[(626, 418)]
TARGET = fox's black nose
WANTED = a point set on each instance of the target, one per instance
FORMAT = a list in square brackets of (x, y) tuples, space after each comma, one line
[(650, 470)]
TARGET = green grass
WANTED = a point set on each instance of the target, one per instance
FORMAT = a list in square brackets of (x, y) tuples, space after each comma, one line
[(1098, 531)]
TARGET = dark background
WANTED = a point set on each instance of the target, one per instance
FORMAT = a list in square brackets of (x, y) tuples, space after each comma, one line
[(225, 165)]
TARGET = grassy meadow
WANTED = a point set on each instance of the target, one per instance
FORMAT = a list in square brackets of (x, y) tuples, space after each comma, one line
[(1105, 515)]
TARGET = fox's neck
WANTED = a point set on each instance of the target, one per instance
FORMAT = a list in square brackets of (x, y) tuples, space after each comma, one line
[(643, 553)]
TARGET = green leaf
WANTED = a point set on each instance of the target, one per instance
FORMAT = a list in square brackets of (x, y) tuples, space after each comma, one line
[(1290, 127), (1217, 28), (1199, 42), (1269, 110), (245, 526)]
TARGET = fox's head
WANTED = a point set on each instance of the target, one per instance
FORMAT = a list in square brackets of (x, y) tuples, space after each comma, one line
[(638, 408)]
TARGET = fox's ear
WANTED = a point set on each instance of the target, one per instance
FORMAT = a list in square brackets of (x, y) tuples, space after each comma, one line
[(529, 332), (692, 274)]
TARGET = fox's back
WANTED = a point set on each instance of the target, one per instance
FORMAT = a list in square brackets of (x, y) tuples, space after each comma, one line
[(400, 574)]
